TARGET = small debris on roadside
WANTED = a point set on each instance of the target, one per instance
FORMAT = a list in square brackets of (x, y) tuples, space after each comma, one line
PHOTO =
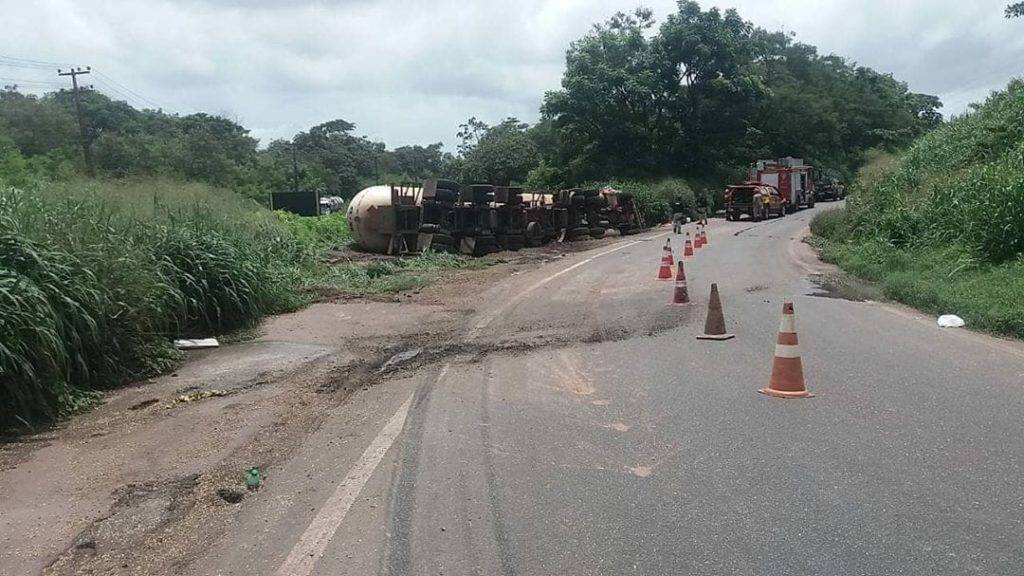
[(196, 344), (252, 478), (195, 396), (950, 321)]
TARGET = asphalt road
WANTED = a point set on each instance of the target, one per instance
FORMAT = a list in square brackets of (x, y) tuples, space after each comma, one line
[(603, 438)]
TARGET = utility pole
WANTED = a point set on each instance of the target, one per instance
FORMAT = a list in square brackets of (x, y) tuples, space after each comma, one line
[(86, 143)]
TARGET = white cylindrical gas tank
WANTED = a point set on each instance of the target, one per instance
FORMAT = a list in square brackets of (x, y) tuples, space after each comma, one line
[(369, 217)]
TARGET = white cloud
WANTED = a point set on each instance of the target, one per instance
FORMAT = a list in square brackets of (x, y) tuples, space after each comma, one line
[(410, 71)]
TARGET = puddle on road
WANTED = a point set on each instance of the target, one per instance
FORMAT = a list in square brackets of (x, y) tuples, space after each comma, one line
[(844, 287)]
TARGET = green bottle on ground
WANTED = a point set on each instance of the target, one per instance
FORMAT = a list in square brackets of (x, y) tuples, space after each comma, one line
[(252, 478)]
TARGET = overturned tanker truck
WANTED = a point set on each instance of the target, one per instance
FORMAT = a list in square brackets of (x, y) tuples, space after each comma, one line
[(478, 219)]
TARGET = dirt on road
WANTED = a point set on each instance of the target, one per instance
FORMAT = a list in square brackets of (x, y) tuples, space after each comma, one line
[(147, 480)]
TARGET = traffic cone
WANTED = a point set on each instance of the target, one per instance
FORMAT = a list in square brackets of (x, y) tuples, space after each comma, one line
[(687, 247), (667, 251), (680, 296), (703, 236), (787, 379), (665, 271), (714, 326), (698, 242)]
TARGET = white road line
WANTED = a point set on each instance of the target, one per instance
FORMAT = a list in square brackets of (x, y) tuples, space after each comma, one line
[(486, 320), (311, 545)]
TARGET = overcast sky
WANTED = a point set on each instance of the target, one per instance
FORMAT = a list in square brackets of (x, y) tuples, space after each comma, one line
[(408, 72)]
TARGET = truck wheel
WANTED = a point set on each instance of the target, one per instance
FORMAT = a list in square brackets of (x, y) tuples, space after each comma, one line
[(597, 233), (576, 233)]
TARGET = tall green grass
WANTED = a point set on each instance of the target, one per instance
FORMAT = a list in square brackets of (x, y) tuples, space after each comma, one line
[(97, 278), (941, 226), (962, 184)]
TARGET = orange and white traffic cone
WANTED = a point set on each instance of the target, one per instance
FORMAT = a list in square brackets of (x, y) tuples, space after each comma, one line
[(714, 326), (687, 247), (704, 232), (698, 242), (787, 379), (667, 251), (680, 295), (665, 271)]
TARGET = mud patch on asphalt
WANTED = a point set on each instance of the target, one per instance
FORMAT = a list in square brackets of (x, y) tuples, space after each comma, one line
[(138, 511), (844, 287)]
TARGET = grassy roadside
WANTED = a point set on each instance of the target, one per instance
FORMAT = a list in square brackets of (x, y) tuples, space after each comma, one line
[(940, 226), (934, 279), (97, 278)]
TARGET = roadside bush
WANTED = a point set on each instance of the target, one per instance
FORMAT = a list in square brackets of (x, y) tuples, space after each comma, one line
[(328, 232), (830, 224), (97, 278), (941, 226), (678, 194), (961, 183)]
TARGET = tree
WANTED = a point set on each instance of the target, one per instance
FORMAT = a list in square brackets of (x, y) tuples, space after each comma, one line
[(503, 155), (708, 94), (335, 161), (36, 125), (469, 134), (705, 58), (419, 162), (1015, 10), (610, 116)]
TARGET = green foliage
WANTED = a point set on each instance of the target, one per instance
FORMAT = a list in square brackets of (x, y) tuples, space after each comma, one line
[(831, 225), (323, 232), (941, 226), (962, 183), (940, 280), (678, 194), (708, 93), (96, 278), (390, 276), (503, 154)]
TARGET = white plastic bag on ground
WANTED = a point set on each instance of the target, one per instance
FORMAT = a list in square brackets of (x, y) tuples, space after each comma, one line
[(951, 321), (196, 344)]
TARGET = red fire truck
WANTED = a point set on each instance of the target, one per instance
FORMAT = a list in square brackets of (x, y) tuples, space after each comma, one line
[(791, 177)]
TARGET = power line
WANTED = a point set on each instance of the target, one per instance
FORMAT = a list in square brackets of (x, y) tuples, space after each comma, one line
[(114, 92), (31, 62), (111, 84), (28, 81), (122, 87)]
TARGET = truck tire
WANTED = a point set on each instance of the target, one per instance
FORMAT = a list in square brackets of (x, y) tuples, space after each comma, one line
[(577, 233), (596, 233)]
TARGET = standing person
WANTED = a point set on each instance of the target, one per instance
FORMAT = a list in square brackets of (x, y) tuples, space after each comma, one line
[(678, 219), (678, 215)]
